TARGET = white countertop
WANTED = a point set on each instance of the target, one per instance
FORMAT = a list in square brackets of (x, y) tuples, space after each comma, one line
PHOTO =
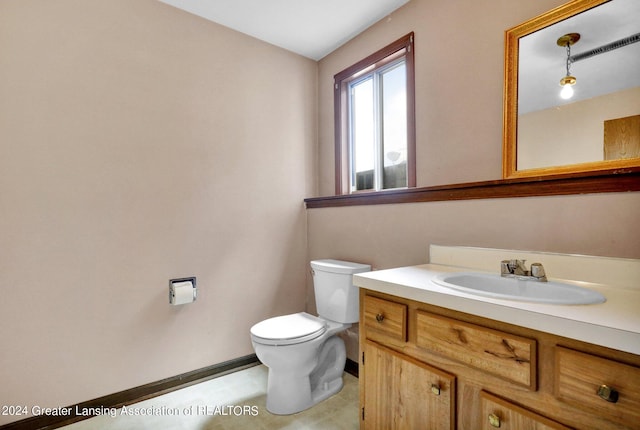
[(613, 324)]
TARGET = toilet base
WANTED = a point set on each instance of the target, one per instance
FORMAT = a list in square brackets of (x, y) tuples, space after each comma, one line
[(327, 390), (288, 394), (292, 405)]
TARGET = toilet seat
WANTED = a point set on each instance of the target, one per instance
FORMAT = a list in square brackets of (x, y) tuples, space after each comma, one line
[(288, 329)]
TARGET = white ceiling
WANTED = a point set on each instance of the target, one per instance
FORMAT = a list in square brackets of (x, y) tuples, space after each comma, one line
[(312, 28)]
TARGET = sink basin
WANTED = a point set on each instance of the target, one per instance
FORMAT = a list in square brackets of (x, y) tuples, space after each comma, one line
[(498, 287)]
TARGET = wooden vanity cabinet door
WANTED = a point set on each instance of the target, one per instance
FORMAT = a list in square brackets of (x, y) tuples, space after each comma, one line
[(498, 413), (402, 393)]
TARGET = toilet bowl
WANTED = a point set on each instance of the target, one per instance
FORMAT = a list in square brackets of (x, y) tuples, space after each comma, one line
[(304, 356), (305, 368)]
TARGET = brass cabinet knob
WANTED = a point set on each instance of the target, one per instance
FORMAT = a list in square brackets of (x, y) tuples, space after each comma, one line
[(494, 420), (379, 318), (607, 393), (435, 389)]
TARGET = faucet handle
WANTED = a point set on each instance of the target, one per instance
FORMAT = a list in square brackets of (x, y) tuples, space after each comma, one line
[(537, 271), (512, 267), (505, 267)]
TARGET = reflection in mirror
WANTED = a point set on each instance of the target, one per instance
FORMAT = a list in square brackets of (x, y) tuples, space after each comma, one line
[(592, 46)]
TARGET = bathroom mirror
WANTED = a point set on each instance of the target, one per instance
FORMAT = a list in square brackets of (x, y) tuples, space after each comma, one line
[(593, 46)]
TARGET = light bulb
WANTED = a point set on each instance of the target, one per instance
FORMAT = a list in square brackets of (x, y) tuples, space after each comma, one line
[(567, 87), (567, 91)]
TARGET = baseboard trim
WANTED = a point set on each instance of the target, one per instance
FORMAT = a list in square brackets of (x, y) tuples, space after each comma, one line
[(134, 395), (351, 367)]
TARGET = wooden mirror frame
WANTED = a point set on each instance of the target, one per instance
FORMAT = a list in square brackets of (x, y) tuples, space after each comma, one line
[(510, 108)]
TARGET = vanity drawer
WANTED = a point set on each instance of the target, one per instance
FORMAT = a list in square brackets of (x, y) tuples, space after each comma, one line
[(580, 380), (507, 356), (499, 413), (385, 317)]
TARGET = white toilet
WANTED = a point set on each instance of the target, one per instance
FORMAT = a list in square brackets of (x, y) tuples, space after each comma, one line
[(304, 356)]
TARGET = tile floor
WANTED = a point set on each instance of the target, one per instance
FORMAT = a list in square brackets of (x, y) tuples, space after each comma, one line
[(233, 401)]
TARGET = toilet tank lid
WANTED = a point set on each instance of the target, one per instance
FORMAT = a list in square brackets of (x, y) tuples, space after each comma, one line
[(338, 266)]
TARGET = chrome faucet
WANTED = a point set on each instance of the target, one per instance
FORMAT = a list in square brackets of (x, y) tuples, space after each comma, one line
[(517, 269)]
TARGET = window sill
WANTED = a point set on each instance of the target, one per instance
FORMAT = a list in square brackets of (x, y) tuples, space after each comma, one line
[(610, 181)]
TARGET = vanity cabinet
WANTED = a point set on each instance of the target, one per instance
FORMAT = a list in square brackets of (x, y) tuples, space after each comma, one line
[(427, 367)]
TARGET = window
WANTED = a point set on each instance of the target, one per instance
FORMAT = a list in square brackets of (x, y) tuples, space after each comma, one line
[(375, 121)]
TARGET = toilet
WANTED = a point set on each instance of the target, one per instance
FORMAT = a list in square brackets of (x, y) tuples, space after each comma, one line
[(304, 356)]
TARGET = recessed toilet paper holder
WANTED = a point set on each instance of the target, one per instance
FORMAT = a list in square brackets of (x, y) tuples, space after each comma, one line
[(179, 283)]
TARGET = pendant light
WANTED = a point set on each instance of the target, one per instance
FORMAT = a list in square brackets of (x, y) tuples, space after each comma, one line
[(568, 81)]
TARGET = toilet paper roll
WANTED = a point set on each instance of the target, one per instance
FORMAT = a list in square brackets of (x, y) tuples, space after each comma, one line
[(182, 292)]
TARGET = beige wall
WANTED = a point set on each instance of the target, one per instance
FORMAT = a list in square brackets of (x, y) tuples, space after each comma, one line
[(139, 143), (459, 77)]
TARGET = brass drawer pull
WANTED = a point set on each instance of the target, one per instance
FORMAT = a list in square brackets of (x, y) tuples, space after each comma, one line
[(607, 393), (435, 389), (379, 318), (494, 420)]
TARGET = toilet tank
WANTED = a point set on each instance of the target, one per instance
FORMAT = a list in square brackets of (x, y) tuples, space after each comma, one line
[(336, 296)]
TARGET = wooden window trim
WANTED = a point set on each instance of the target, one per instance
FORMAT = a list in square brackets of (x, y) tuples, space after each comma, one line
[(611, 181), (340, 93)]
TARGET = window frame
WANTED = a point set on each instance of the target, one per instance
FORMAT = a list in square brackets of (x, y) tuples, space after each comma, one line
[(381, 58)]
